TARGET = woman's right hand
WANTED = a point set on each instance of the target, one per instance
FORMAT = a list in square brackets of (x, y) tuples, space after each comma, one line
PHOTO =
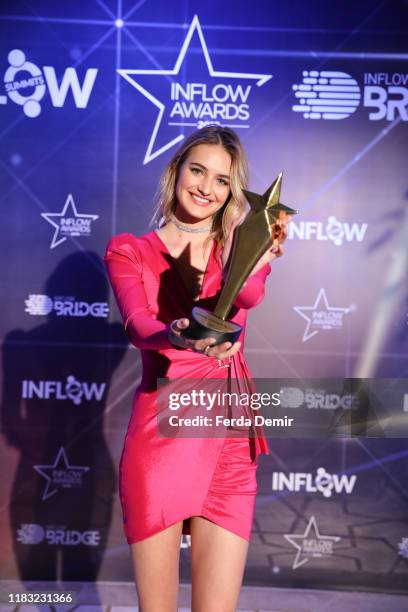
[(221, 351)]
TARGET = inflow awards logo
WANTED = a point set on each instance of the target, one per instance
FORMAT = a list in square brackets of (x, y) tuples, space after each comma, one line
[(321, 316), (310, 544), (60, 474), (193, 101), (69, 223)]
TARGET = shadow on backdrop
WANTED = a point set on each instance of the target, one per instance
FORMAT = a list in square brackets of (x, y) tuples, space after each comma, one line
[(56, 382)]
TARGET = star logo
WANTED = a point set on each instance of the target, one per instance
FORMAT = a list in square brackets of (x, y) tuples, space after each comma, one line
[(69, 222), (310, 544), (60, 475), (195, 104), (321, 316)]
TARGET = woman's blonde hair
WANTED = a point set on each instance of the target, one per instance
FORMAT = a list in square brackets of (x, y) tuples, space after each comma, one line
[(235, 203)]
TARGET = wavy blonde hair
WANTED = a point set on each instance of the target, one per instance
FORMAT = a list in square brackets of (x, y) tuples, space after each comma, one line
[(235, 204)]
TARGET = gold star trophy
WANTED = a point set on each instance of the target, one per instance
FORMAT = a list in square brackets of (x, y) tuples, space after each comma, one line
[(260, 231)]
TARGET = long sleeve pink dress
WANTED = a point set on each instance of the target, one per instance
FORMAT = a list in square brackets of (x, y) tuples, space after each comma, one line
[(165, 480)]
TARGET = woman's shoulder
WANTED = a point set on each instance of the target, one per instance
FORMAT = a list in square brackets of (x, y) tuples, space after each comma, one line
[(127, 241)]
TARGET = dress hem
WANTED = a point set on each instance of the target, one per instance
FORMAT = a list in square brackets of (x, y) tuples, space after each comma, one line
[(131, 541)]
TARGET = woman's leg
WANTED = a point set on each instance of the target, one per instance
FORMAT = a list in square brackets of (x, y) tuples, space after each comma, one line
[(217, 565), (156, 568)]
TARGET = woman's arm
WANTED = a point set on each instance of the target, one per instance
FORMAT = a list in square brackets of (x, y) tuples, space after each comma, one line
[(143, 330), (125, 274)]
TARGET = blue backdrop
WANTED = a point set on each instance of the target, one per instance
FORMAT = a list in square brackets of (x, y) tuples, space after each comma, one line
[(96, 97)]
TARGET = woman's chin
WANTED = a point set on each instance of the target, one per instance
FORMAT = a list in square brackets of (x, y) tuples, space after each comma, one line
[(194, 216)]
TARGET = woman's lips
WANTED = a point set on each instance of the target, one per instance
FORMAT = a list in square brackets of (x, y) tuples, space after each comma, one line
[(200, 200)]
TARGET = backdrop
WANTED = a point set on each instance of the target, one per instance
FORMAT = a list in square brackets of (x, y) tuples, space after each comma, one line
[(96, 97)]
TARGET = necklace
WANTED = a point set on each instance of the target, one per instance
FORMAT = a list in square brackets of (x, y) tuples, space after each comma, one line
[(187, 228)]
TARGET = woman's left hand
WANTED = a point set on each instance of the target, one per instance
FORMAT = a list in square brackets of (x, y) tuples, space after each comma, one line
[(275, 250), (203, 345), (272, 253)]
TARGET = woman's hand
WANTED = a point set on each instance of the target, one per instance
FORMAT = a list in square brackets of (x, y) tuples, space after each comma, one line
[(275, 250), (205, 345)]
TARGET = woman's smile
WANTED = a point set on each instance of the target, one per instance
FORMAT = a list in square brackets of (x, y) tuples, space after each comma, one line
[(200, 200)]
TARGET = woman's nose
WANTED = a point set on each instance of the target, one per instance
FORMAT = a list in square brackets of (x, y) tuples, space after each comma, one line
[(205, 186)]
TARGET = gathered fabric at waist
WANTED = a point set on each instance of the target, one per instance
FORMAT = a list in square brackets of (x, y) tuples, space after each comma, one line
[(185, 365)]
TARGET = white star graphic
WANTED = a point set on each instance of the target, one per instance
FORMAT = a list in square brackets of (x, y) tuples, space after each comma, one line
[(50, 216), (63, 460), (321, 304), (127, 74), (299, 547)]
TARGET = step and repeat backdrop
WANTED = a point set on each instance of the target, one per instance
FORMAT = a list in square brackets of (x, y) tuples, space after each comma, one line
[(94, 98)]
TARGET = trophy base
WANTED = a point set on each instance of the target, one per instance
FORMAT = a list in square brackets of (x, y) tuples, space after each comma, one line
[(205, 324)]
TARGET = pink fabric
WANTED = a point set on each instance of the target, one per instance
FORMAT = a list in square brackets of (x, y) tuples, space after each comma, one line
[(166, 480)]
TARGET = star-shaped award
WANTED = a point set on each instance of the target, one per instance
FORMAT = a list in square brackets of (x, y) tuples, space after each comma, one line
[(270, 201), (260, 231)]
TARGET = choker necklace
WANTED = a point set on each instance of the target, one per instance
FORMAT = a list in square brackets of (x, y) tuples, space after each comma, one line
[(187, 228)]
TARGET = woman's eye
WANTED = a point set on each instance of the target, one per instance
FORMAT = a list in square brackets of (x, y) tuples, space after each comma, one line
[(222, 181), (195, 170)]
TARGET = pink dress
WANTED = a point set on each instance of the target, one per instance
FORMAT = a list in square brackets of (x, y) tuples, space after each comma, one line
[(167, 480)]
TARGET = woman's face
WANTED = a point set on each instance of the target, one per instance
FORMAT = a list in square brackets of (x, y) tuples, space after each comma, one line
[(203, 184)]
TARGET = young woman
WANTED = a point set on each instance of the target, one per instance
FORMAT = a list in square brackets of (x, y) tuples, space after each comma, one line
[(202, 486)]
